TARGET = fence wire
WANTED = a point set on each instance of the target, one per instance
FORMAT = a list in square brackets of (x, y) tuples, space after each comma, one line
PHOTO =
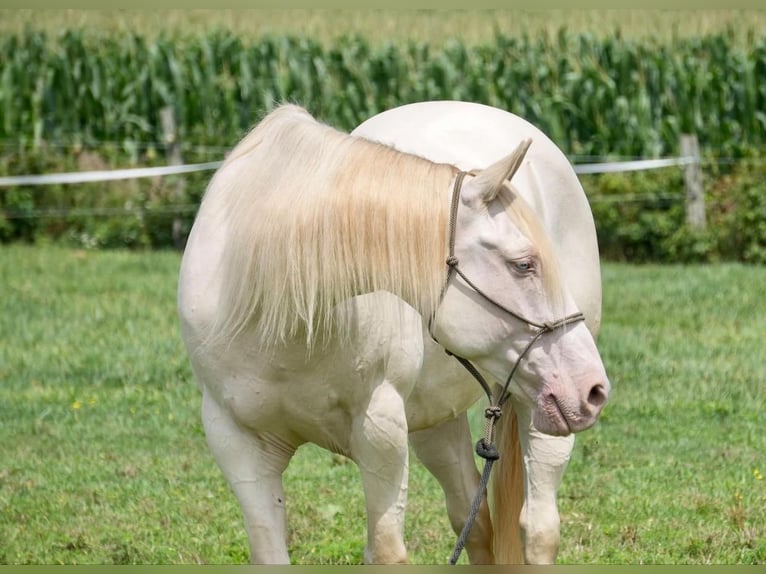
[(37, 180)]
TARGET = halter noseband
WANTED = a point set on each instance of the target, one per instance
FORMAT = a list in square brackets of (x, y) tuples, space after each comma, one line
[(494, 410)]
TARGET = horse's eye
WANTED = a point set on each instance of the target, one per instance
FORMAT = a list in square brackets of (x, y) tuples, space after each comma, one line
[(524, 266)]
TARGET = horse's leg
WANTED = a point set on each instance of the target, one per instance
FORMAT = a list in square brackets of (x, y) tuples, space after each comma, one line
[(379, 447), (545, 460), (446, 451), (253, 466)]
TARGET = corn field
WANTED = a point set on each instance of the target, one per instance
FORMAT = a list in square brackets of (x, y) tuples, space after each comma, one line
[(82, 99), (593, 96)]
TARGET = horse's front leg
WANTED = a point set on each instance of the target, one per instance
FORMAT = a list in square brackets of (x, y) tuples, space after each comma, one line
[(446, 451), (545, 460), (379, 447)]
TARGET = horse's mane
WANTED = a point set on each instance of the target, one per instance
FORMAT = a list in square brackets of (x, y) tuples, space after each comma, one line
[(314, 217)]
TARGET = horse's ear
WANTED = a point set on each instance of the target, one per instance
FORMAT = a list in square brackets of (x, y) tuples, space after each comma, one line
[(488, 182)]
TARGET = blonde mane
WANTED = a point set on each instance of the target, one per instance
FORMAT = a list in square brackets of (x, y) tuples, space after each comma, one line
[(314, 216)]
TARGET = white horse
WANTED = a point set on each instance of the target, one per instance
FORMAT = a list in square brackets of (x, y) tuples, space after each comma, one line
[(313, 292)]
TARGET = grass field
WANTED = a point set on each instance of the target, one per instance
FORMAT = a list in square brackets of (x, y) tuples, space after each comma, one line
[(102, 457), (395, 25)]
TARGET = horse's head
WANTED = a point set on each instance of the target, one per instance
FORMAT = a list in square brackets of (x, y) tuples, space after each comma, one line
[(504, 304)]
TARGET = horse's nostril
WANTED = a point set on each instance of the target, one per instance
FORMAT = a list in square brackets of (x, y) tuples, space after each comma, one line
[(597, 396)]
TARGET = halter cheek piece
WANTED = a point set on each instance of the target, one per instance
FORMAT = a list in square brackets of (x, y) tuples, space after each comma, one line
[(540, 328), (485, 447)]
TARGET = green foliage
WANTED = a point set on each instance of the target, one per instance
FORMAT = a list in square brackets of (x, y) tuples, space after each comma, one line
[(133, 213), (636, 213), (640, 217), (738, 210)]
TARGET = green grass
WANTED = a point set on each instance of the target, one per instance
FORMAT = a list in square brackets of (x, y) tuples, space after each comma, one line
[(102, 457), (672, 474)]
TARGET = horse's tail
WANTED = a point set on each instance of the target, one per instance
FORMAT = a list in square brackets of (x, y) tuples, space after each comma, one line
[(507, 492)]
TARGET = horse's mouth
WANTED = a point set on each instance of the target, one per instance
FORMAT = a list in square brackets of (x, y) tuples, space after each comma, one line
[(551, 417), (559, 412)]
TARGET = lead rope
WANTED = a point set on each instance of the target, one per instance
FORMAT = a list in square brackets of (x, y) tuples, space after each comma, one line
[(475, 505), (485, 447)]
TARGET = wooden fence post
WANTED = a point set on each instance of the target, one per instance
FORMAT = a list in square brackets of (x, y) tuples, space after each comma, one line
[(695, 193), (174, 157)]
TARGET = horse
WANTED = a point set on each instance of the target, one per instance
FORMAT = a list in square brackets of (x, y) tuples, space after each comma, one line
[(324, 278)]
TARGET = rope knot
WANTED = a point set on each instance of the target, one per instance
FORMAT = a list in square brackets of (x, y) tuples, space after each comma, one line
[(493, 413), (487, 450), (452, 261)]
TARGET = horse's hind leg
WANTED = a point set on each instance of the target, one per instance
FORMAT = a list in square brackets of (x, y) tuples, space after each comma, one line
[(446, 451), (379, 447), (253, 466)]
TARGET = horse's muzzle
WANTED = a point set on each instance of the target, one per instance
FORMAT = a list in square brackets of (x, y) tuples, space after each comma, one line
[(560, 413)]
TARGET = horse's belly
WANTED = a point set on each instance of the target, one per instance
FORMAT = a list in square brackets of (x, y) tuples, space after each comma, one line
[(298, 411), (319, 405)]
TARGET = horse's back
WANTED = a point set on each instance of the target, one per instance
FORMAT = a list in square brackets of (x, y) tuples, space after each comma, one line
[(473, 136)]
